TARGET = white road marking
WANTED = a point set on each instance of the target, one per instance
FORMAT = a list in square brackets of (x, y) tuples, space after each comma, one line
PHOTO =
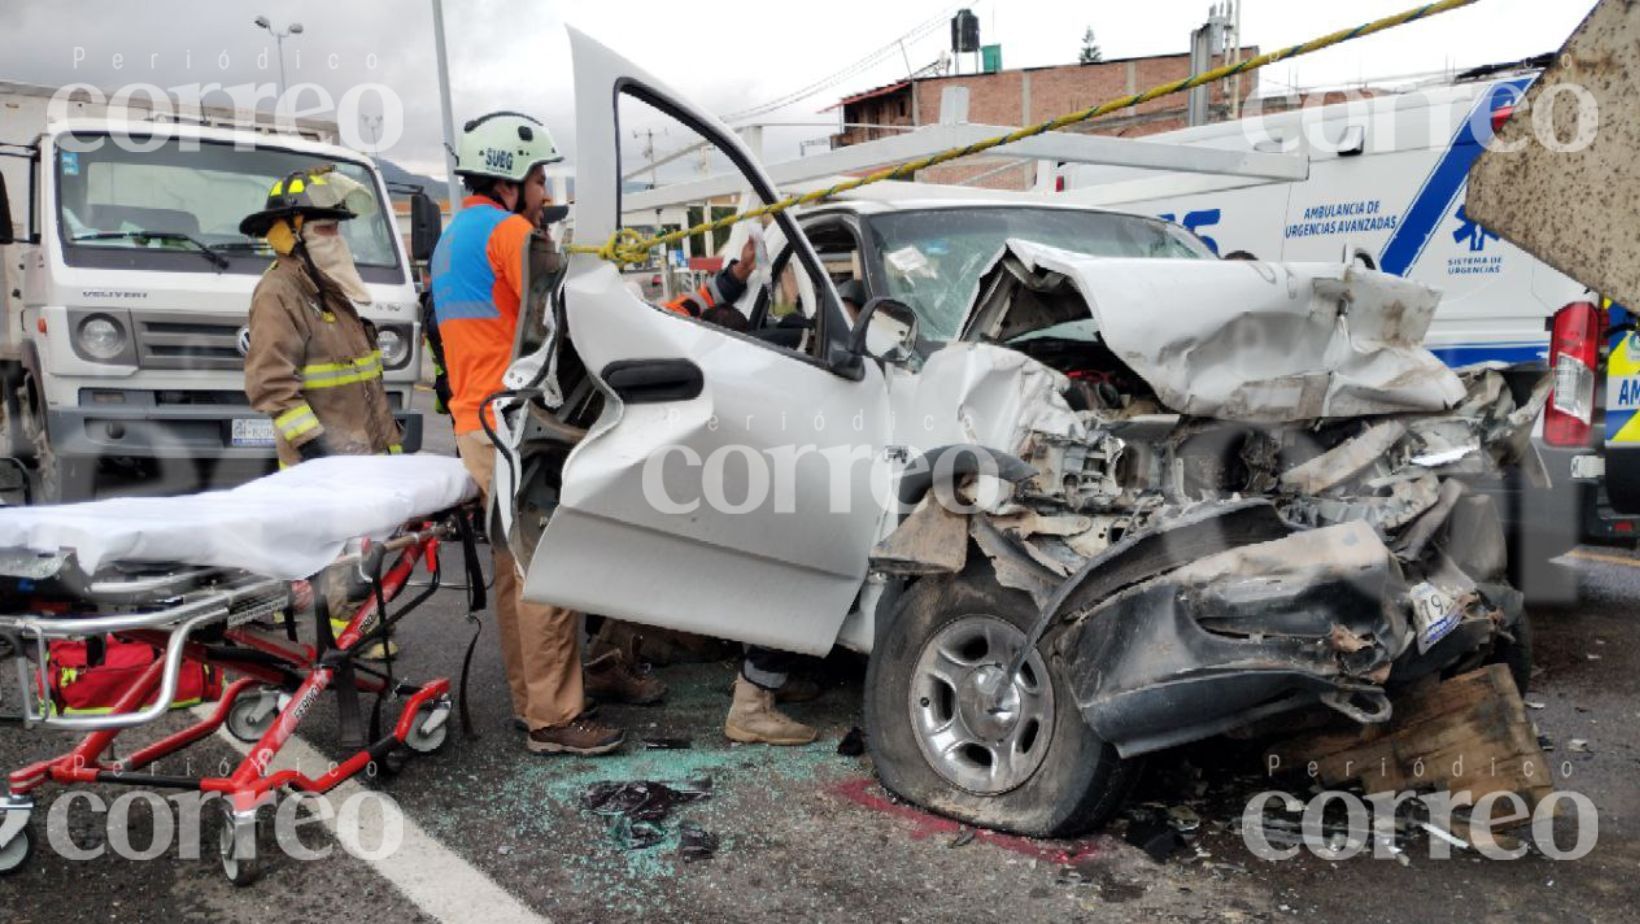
[(439, 882)]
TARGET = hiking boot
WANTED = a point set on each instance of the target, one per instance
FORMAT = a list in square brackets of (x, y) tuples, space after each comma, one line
[(798, 690), (753, 719), (589, 710), (795, 690), (610, 676), (582, 736)]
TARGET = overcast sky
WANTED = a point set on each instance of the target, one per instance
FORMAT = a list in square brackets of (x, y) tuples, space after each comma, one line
[(514, 54)]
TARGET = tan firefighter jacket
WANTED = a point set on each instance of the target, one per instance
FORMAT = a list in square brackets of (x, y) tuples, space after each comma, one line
[(313, 366)]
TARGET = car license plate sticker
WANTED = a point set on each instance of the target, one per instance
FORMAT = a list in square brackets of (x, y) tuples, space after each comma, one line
[(1434, 614), (252, 431)]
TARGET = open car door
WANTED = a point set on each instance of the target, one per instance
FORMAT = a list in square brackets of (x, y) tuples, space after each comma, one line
[(725, 485)]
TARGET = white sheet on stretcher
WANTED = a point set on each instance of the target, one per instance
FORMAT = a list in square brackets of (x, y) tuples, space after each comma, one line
[(286, 525)]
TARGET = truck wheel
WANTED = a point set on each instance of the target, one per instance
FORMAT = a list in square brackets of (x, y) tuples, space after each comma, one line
[(26, 439), (1020, 760)]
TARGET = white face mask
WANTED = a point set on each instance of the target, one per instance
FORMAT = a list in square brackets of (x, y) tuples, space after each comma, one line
[(331, 255)]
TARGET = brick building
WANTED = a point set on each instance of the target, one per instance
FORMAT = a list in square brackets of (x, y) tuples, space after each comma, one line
[(1033, 94)]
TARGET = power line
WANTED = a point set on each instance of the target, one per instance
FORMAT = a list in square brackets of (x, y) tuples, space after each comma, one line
[(919, 31)]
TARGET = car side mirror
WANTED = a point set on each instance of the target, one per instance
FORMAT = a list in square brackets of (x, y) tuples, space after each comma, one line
[(885, 330), (6, 235), (426, 224)]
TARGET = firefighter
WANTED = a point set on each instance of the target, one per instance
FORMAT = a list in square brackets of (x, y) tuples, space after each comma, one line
[(313, 364)]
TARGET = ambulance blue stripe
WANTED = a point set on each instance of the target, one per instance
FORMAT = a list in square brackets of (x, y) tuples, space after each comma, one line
[(1434, 201), (1467, 354), (1615, 420)]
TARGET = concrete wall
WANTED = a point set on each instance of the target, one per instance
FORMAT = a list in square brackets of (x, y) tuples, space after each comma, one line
[(1024, 97)]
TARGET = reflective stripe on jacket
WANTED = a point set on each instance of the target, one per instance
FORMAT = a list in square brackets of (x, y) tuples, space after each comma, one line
[(314, 367)]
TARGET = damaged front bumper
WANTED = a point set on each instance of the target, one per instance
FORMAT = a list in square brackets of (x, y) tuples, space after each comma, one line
[(1240, 635)]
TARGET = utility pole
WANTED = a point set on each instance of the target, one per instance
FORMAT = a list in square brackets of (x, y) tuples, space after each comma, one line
[(1235, 38), (295, 28), (444, 102), (648, 135)]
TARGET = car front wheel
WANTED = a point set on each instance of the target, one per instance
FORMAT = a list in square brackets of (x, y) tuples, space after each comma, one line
[(949, 730)]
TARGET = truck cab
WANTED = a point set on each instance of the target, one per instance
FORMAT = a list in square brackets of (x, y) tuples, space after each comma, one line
[(129, 287)]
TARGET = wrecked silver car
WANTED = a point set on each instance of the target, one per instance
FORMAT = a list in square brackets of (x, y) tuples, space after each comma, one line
[(1117, 503)]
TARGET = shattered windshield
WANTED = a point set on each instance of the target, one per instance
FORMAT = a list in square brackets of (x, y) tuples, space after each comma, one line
[(170, 196), (933, 258)]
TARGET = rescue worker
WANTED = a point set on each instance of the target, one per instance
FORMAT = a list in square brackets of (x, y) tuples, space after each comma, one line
[(765, 674), (478, 285), (313, 364), (722, 290)]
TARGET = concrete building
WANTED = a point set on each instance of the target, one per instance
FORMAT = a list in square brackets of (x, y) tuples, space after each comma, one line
[(1028, 95)]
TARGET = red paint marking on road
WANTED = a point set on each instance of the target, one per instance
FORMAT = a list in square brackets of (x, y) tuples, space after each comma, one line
[(864, 792)]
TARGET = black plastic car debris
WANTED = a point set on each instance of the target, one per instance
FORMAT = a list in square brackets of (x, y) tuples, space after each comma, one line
[(1157, 838), (637, 809), (853, 743), (635, 835), (642, 800), (695, 842)]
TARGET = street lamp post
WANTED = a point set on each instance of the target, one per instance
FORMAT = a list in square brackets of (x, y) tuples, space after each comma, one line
[(294, 28)]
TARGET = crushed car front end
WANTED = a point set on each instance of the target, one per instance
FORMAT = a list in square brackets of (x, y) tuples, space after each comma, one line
[(1248, 490)]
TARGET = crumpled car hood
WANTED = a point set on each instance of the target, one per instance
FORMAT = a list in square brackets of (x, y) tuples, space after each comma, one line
[(1234, 340)]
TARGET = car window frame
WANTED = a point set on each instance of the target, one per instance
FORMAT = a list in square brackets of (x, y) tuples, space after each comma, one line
[(830, 334)]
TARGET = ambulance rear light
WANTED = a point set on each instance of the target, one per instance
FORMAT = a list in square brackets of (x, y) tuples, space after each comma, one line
[(1501, 115), (1574, 354)]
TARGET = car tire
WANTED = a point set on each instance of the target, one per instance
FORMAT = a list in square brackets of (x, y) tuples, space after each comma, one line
[(1077, 781)]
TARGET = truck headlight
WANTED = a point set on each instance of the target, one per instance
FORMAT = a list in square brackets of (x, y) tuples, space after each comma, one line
[(101, 337), (395, 347)]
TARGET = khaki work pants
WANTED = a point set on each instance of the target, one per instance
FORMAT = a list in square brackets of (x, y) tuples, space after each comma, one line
[(540, 645)]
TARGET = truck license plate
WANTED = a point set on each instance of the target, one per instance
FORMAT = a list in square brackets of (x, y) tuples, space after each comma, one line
[(255, 431)]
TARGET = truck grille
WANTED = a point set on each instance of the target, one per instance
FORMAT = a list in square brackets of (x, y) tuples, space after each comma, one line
[(167, 341)]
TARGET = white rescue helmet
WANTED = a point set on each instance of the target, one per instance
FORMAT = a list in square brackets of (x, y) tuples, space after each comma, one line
[(504, 145)]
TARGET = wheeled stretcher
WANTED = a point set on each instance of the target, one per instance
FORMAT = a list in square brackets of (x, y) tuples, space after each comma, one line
[(95, 571)]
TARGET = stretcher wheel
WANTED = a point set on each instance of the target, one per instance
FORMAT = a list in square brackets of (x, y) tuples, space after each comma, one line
[(236, 846), (16, 852), (431, 728), (252, 714)]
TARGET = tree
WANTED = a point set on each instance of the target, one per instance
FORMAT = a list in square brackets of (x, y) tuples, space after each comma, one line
[(1090, 49)]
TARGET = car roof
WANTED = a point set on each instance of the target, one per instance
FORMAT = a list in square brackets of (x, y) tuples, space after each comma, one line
[(862, 204)]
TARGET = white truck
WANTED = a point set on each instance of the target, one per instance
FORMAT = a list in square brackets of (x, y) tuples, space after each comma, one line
[(127, 289), (1386, 190)]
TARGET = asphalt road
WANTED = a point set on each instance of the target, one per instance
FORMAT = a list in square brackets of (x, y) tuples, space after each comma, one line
[(498, 834)]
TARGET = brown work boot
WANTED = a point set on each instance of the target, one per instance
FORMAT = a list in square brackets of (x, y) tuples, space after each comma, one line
[(610, 676), (798, 690), (581, 736), (753, 719), (795, 690), (589, 710)]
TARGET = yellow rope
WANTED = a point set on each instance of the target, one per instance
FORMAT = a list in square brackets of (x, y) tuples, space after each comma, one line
[(627, 246)]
